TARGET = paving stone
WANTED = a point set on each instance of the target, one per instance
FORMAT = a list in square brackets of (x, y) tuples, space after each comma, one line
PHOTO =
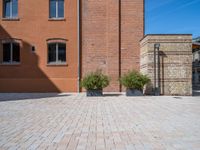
[(103, 123)]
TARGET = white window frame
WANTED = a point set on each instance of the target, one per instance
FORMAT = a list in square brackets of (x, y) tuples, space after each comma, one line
[(11, 54), (11, 9), (57, 17), (57, 62)]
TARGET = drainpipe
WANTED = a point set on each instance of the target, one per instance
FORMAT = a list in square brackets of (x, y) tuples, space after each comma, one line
[(156, 69), (120, 40), (78, 41), (158, 57)]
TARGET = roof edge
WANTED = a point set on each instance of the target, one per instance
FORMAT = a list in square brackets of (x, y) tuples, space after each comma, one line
[(164, 35)]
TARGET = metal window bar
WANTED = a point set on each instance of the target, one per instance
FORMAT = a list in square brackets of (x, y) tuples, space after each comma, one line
[(56, 52), (11, 9), (57, 9)]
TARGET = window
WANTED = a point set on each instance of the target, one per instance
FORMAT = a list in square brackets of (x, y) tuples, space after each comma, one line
[(10, 9), (56, 53), (56, 9), (11, 53)]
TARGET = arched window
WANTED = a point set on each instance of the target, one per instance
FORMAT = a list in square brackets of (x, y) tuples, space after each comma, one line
[(10, 52), (56, 51)]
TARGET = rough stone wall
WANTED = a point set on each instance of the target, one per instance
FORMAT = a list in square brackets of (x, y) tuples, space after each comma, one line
[(111, 30), (175, 63)]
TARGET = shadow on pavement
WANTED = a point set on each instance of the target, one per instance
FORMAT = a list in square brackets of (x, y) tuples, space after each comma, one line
[(27, 96), (112, 94)]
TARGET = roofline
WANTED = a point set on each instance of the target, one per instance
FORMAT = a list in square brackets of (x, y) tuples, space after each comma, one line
[(165, 35)]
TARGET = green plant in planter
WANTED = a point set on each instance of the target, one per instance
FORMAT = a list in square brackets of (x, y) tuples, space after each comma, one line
[(134, 80), (94, 83)]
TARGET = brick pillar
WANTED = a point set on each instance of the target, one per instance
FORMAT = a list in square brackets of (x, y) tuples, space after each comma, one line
[(100, 39), (113, 43), (132, 31), (111, 31)]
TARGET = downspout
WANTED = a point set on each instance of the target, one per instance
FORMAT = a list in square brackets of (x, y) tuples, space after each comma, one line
[(144, 15), (78, 45), (120, 44)]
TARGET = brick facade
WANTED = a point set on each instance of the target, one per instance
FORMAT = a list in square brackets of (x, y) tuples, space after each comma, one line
[(33, 28), (110, 34), (175, 63), (111, 31)]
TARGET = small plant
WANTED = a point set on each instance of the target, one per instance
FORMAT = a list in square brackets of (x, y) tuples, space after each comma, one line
[(95, 81), (134, 80)]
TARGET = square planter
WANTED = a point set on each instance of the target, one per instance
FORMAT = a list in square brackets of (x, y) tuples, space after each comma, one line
[(91, 93), (134, 92)]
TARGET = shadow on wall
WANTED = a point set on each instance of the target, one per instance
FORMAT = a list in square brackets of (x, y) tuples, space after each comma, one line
[(149, 88), (26, 76), (162, 71)]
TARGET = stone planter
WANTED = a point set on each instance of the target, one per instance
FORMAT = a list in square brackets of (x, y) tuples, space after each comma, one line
[(134, 92), (91, 93)]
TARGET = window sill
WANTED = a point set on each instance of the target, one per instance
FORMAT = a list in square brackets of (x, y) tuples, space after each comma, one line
[(10, 64), (57, 64), (57, 19), (10, 19)]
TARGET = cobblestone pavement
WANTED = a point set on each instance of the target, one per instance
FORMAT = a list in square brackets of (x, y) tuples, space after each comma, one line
[(113, 122)]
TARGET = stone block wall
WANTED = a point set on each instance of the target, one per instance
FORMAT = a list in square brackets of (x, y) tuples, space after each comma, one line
[(175, 63)]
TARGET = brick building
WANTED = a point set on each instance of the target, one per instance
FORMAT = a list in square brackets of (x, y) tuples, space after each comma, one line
[(38, 46), (47, 46)]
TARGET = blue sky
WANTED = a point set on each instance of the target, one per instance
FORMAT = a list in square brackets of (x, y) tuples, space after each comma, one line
[(172, 16)]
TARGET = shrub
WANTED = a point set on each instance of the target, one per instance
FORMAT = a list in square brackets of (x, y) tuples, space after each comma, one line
[(134, 80), (95, 81)]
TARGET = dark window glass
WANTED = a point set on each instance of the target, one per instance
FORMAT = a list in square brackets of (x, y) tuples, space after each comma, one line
[(7, 52), (56, 53), (11, 52), (7, 8), (14, 8), (62, 52), (52, 8), (52, 53), (60, 8), (16, 52)]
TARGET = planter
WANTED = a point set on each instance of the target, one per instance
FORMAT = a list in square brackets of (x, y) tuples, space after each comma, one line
[(134, 92), (91, 93)]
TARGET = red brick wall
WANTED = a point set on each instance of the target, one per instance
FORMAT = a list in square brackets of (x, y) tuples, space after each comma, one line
[(34, 28), (132, 26), (111, 30)]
